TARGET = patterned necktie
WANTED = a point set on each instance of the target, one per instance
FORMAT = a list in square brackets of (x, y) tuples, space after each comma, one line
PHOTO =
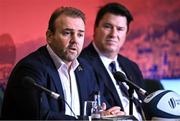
[(122, 87)]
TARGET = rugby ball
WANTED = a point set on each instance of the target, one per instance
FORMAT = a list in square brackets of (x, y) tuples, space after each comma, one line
[(163, 104)]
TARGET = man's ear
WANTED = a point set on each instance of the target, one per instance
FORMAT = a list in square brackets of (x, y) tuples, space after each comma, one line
[(49, 36)]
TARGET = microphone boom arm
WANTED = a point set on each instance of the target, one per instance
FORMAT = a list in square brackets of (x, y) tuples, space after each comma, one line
[(30, 81)]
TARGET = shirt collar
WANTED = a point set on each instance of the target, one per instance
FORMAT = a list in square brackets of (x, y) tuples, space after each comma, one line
[(106, 61)]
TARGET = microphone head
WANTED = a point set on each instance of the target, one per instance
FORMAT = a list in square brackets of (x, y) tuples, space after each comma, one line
[(28, 81), (119, 75), (163, 104)]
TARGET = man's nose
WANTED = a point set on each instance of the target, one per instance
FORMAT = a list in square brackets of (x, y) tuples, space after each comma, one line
[(73, 38), (113, 32)]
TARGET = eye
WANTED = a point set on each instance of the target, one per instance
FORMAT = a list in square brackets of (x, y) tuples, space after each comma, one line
[(66, 33), (120, 28), (80, 35), (108, 26)]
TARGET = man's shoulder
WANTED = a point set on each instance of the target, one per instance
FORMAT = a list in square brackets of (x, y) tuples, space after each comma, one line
[(88, 50), (125, 59), (35, 57), (83, 62), (89, 53)]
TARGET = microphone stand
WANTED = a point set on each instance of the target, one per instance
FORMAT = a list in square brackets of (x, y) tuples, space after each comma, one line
[(130, 97), (131, 100), (130, 91), (132, 86)]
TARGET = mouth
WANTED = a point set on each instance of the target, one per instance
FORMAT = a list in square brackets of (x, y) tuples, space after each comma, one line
[(72, 49), (109, 41)]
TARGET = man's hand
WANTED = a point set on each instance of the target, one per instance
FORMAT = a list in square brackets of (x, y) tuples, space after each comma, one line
[(112, 111)]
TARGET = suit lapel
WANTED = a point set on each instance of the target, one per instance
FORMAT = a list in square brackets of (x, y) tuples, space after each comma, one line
[(53, 74), (130, 75), (103, 74), (125, 67), (81, 83), (57, 82)]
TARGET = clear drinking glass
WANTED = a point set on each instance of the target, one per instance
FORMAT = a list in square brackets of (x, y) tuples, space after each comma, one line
[(89, 107)]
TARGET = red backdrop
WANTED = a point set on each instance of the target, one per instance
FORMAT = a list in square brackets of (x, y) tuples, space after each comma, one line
[(152, 42)]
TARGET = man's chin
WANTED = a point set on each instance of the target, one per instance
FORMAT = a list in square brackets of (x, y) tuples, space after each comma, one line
[(71, 57), (110, 50)]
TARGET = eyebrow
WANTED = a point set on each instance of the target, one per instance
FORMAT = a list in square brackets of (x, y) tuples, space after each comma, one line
[(68, 29), (111, 24)]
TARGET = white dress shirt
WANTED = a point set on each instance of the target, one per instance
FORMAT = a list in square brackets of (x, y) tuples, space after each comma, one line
[(124, 100), (68, 81)]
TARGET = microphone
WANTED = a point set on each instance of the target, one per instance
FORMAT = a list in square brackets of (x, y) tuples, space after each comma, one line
[(121, 77), (30, 81)]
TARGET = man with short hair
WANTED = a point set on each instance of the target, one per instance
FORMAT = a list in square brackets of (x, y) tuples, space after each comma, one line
[(55, 66), (110, 30)]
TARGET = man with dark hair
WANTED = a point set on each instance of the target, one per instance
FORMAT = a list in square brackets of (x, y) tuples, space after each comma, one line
[(110, 30), (55, 66)]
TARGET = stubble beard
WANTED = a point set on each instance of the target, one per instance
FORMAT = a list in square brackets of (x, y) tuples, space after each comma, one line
[(68, 56)]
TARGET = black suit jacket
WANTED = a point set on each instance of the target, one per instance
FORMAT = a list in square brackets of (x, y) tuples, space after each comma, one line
[(25, 102), (130, 68)]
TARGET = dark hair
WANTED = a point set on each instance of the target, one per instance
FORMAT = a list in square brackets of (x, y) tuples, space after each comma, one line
[(114, 8), (69, 11)]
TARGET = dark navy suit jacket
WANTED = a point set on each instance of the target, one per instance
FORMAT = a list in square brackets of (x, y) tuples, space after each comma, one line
[(130, 68), (25, 102)]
